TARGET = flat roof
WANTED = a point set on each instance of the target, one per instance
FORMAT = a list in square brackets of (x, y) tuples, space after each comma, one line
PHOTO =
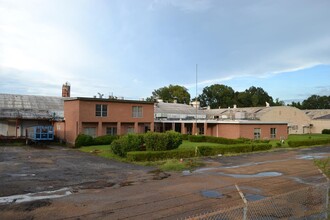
[(108, 100), (222, 121)]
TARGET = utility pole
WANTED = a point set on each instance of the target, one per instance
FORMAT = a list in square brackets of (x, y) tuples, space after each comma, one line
[(196, 127)]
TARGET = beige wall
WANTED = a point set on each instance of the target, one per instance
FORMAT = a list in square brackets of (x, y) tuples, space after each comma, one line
[(319, 125), (296, 118), (247, 131)]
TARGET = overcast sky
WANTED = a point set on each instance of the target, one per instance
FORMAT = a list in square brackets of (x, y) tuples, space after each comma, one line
[(129, 48)]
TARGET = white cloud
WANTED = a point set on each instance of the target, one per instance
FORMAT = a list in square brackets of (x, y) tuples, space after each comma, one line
[(185, 5), (42, 52)]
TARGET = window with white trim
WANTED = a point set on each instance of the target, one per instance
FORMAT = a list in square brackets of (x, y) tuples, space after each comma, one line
[(91, 131), (130, 130), (273, 132), (101, 110), (257, 133), (112, 130), (137, 112)]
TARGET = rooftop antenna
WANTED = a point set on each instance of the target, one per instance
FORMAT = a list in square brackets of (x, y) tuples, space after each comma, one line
[(100, 95)]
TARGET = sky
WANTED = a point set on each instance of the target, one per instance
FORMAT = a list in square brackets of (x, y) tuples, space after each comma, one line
[(129, 48)]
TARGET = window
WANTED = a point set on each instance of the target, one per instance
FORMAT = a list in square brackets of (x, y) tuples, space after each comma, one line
[(201, 130), (189, 130), (273, 132), (112, 130), (257, 133), (137, 112), (90, 131), (130, 130), (101, 110)]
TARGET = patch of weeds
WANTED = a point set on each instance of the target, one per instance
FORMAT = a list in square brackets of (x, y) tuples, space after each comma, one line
[(179, 165), (174, 164), (324, 165)]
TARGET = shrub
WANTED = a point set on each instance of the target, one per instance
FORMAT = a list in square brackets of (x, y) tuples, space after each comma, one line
[(209, 150), (83, 140), (197, 138), (160, 155), (116, 147), (326, 131), (261, 141), (308, 142), (237, 148), (155, 141), (214, 150), (245, 140), (105, 139), (185, 136), (262, 146), (221, 140), (126, 143), (174, 140)]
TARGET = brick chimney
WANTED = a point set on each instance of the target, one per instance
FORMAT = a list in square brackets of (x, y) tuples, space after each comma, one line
[(66, 90)]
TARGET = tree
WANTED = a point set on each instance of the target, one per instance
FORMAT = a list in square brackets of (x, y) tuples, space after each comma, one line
[(295, 104), (217, 96), (171, 93), (316, 102), (253, 97), (279, 102)]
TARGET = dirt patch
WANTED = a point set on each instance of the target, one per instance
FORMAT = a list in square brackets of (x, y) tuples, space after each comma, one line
[(26, 206), (95, 185)]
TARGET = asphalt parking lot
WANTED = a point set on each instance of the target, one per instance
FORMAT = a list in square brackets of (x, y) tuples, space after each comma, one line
[(61, 183), (31, 170)]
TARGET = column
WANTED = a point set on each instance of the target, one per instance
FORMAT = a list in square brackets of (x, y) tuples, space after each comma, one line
[(152, 126), (173, 126), (99, 129), (194, 129), (118, 128), (79, 128), (183, 129), (205, 129), (136, 127)]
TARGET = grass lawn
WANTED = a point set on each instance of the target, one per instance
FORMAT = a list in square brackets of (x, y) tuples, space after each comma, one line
[(102, 151), (177, 165), (300, 137), (165, 165), (324, 165)]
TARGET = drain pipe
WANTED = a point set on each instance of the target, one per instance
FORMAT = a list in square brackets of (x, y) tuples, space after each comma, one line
[(245, 209)]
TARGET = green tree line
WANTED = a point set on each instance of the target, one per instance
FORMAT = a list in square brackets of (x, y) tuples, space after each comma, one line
[(218, 95), (313, 102)]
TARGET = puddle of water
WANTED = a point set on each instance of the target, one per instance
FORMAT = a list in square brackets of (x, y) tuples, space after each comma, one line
[(253, 197), (310, 157), (35, 196), (20, 175), (262, 174), (299, 180), (253, 164), (186, 172), (211, 194), (201, 170), (248, 188)]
